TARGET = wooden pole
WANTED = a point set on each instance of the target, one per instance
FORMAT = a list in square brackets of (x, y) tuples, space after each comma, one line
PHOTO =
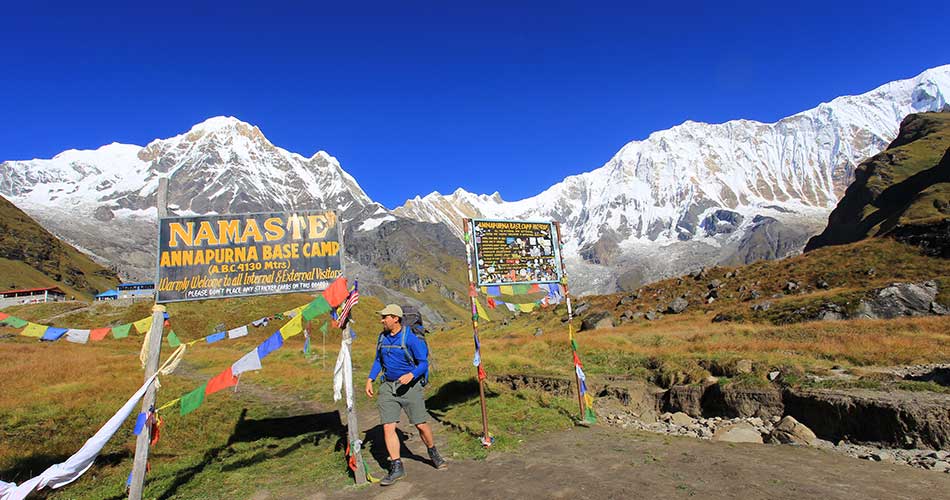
[(570, 317), (469, 250), (156, 332)]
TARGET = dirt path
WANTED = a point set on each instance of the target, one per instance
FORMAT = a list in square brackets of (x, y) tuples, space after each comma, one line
[(603, 462)]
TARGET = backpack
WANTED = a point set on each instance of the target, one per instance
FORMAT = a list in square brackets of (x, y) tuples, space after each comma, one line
[(406, 331), (413, 319)]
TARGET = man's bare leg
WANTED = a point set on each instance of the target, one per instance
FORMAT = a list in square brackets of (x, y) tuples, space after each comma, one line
[(392, 440)]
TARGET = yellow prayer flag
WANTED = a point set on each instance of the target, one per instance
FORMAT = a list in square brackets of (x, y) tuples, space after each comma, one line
[(506, 290), (588, 399), (143, 325), (482, 313), (526, 308), (293, 327), (34, 330)]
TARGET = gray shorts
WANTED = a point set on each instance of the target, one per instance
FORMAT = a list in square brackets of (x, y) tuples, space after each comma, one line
[(394, 397)]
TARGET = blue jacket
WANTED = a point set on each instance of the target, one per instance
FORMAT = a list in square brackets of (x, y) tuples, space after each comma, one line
[(392, 361)]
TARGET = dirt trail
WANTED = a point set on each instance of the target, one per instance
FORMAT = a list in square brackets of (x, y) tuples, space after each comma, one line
[(603, 462)]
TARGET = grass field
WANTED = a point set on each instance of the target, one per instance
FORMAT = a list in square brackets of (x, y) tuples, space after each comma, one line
[(280, 432)]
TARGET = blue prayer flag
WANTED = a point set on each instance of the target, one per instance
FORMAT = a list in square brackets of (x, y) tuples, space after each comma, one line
[(216, 337), (53, 333), (140, 423), (270, 345)]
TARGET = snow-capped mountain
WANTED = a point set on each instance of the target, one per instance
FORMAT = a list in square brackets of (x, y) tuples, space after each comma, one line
[(698, 194), (104, 200)]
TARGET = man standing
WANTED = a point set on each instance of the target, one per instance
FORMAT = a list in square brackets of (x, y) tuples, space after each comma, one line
[(404, 360)]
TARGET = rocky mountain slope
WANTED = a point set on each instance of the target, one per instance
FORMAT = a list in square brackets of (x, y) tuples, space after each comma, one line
[(31, 257), (903, 192), (700, 194)]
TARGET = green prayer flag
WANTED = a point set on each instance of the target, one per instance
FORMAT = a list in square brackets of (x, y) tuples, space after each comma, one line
[(324, 326), (121, 331), (520, 289), (316, 308), (173, 340), (15, 322), (589, 416), (191, 401), (573, 344)]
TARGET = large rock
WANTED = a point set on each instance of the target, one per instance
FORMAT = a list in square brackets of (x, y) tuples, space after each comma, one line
[(741, 432), (902, 299), (791, 431), (597, 321), (677, 306)]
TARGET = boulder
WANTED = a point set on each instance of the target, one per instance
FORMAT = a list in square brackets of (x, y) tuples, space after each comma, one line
[(677, 306), (744, 366), (680, 418), (791, 431), (597, 321), (741, 432), (762, 306), (652, 316), (791, 286), (902, 299)]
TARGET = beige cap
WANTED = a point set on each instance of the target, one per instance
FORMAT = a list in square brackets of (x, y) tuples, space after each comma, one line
[(391, 310)]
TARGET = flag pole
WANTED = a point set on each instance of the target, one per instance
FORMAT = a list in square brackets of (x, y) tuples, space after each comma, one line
[(479, 371), (570, 318), (154, 339)]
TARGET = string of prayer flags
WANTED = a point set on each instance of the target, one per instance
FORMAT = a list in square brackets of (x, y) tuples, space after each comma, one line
[(78, 336), (121, 331), (191, 401), (589, 415), (173, 340), (53, 334), (33, 330), (143, 325)]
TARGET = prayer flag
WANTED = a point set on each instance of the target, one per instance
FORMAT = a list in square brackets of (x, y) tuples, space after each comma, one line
[(337, 292), (237, 332), (535, 288), (506, 290), (290, 314), (481, 373), (521, 289), (191, 401), (512, 307), (294, 327), (121, 331), (34, 330), (52, 334), (260, 322), (351, 300), (97, 334), (3, 316), (270, 345), (323, 327), (528, 307), (317, 307), (494, 291), (14, 322), (221, 381), (140, 423), (77, 336), (173, 340), (491, 303), (249, 362), (143, 325), (477, 359), (214, 337), (481, 311), (306, 344)]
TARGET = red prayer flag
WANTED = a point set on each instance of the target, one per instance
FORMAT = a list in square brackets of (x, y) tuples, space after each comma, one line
[(535, 288), (223, 380), (481, 373), (577, 361), (491, 302), (4, 316), (99, 333), (337, 292)]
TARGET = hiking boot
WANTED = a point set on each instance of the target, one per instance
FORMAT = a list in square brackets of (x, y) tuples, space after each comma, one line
[(437, 461), (396, 472)]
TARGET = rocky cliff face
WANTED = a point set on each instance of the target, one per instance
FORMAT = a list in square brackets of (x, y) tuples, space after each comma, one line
[(903, 191)]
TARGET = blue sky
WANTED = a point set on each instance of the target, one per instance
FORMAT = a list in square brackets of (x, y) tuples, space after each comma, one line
[(413, 97)]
